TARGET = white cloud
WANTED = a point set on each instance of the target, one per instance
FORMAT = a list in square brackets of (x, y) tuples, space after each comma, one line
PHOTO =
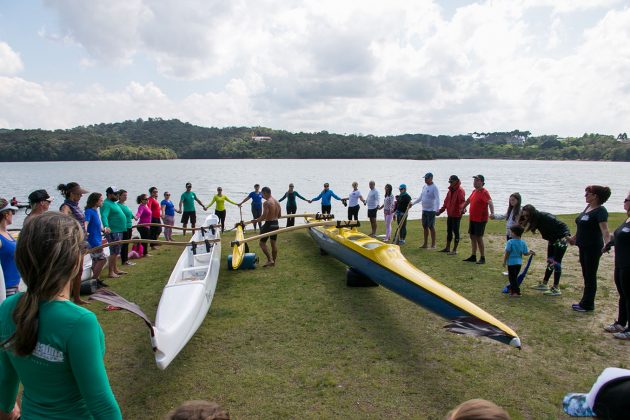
[(10, 61), (372, 66)]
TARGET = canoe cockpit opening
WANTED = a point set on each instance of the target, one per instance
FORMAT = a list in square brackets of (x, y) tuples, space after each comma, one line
[(372, 245), (355, 237), (193, 273), (201, 259)]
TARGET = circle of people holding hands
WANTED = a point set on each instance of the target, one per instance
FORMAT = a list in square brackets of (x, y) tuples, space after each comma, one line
[(49, 257)]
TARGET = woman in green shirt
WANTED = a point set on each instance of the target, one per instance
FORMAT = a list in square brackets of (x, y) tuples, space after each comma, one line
[(220, 199), (51, 346)]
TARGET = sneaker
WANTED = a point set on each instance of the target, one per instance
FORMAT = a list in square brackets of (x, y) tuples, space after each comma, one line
[(505, 273), (614, 328), (577, 308), (472, 258), (541, 286), (401, 242), (129, 263), (482, 260), (452, 253), (554, 291), (622, 335)]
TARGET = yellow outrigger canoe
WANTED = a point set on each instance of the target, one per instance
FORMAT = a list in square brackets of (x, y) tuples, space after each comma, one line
[(386, 265)]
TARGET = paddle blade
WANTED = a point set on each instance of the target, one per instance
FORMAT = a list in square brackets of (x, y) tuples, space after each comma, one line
[(112, 298), (475, 327)]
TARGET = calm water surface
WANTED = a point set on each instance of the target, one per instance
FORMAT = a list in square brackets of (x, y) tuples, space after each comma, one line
[(554, 186)]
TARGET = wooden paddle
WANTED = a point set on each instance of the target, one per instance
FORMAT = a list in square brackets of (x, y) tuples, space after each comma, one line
[(151, 241), (317, 216), (175, 227), (403, 220), (337, 223)]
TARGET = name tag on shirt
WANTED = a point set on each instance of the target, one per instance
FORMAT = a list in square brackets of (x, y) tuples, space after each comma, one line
[(585, 218)]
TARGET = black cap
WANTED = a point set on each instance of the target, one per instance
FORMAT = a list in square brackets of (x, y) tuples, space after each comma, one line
[(481, 177), (38, 195), (188, 184), (453, 178), (111, 190)]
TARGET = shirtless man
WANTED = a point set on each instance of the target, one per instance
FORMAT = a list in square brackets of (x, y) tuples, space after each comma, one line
[(270, 213)]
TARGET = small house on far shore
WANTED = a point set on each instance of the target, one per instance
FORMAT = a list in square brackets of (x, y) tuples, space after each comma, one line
[(261, 138)]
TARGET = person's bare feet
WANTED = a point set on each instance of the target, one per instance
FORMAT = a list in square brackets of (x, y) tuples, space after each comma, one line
[(270, 264), (80, 302), (113, 276), (121, 272)]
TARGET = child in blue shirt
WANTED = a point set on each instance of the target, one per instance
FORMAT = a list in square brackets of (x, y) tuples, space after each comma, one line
[(513, 258)]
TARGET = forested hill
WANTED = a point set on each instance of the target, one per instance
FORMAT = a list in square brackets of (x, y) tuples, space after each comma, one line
[(172, 139)]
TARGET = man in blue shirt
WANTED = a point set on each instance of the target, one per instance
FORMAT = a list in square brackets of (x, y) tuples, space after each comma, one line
[(256, 197), (325, 196)]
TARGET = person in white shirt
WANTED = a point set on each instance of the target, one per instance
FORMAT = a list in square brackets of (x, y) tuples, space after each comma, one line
[(430, 199), (373, 200), (353, 201)]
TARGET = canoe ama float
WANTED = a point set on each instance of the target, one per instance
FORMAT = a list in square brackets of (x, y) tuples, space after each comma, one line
[(387, 266), (186, 298)]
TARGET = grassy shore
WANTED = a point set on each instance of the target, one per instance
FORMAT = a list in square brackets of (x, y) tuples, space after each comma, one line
[(294, 342)]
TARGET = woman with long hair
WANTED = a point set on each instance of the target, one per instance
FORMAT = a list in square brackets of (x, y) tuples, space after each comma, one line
[(512, 215), (592, 233), (51, 346), (124, 249), (389, 210), (556, 233)]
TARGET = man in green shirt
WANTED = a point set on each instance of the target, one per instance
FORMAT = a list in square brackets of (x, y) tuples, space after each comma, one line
[(188, 199), (114, 224)]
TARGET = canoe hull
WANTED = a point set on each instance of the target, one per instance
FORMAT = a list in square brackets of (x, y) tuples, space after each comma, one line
[(187, 296)]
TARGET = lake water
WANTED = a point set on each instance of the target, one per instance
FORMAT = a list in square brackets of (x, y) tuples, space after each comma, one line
[(553, 186)]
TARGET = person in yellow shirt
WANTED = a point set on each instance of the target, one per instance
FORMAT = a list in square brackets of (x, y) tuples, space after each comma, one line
[(220, 199)]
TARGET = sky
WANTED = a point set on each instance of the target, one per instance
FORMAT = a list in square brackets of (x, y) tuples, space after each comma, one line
[(357, 67)]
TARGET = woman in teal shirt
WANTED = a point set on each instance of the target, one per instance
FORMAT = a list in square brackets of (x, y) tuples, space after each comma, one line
[(50, 345)]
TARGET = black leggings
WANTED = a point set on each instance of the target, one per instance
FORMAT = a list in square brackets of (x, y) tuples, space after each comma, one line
[(155, 230), (326, 209), (124, 249), (622, 281), (291, 220), (555, 252), (353, 212), (221, 215), (145, 233), (589, 260), (452, 228)]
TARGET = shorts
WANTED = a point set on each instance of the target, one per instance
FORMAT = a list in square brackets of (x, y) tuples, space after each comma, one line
[(269, 227), (99, 255), (189, 215), (256, 212), (477, 228), (428, 219), (114, 237), (372, 213)]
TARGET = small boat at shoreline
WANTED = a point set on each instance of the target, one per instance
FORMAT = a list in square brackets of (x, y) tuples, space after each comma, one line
[(188, 294), (386, 265)]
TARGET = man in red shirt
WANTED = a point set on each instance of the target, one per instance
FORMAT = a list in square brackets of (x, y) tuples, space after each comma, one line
[(156, 214), (479, 202)]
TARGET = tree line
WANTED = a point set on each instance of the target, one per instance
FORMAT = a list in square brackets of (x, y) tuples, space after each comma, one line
[(156, 138)]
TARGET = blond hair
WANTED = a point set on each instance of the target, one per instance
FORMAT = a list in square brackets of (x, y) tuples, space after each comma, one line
[(478, 409)]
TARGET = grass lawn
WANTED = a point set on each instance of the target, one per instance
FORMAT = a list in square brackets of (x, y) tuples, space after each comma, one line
[(294, 342)]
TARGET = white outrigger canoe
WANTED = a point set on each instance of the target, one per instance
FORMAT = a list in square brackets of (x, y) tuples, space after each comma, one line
[(188, 294)]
